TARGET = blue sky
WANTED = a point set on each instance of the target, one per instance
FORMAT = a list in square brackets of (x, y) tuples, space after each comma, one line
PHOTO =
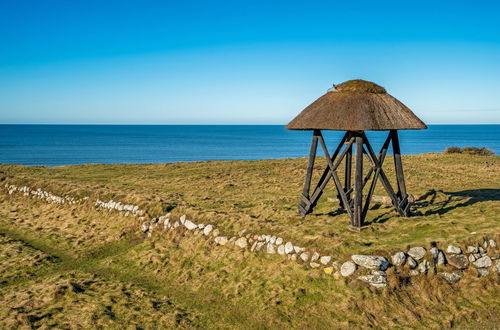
[(242, 62)]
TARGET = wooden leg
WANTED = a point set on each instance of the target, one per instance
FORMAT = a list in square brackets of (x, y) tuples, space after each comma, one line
[(347, 175), (402, 195), (358, 184)]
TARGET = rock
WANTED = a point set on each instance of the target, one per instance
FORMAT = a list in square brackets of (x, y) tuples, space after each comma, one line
[(483, 262), (497, 266), (451, 277), (298, 249), (440, 259), (288, 247), (325, 260), (480, 250), (493, 244), (272, 240), (241, 242), (293, 256), (254, 245), (347, 268), (328, 270), (182, 219), (370, 262), (270, 248), (221, 240), (459, 261), (482, 272), (472, 249), (315, 256), (314, 265), (414, 272), (411, 262), (176, 224), (201, 226), (304, 256), (145, 226), (399, 259), (259, 246), (279, 241), (189, 225), (215, 232), (485, 244), (417, 252), (379, 272), (207, 230), (336, 265), (423, 267), (472, 258), (377, 281), (281, 249), (454, 249)]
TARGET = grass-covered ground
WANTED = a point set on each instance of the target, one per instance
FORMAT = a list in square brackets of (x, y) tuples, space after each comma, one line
[(75, 266)]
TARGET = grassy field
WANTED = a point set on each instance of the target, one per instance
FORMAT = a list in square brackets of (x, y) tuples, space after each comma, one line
[(77, 266)]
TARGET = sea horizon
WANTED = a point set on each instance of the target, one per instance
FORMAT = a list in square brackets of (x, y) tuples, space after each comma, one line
[(74, 144)]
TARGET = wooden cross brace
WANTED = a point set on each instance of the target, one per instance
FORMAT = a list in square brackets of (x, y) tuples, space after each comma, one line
[(357, 205)]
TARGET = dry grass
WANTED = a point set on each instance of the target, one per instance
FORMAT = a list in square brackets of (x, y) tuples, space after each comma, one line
[(220, 287)]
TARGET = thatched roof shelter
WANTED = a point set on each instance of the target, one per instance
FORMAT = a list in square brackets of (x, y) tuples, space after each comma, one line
[(356, 105)]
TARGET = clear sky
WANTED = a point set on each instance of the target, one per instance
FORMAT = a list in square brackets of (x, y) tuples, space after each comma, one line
[(242, 62)]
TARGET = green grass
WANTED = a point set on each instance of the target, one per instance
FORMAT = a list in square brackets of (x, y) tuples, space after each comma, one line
[(133, 278)]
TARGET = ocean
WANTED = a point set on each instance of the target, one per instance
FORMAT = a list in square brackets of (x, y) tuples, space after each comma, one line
[(52, 145)]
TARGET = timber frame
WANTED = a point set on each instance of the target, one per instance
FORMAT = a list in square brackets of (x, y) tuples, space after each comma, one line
[(350, 194)]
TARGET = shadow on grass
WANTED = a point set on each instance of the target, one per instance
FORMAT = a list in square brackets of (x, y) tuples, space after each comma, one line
[(441, 202)]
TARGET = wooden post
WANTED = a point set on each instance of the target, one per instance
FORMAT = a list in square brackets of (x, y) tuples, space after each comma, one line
[(347, 175), (398, 164), (310, 165), (358, 183)]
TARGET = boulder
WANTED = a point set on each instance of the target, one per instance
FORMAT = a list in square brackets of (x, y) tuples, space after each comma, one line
[(411, 262), (347, 268), (459, 261), (207, 230), (423, 267), (370, 262), (270, 248), (451, 277), (398, 259), (241, 242), (483, 262), (377, 281), (453, 249), (325, 260), (288, 247), (482, 272), (417, 252), (221, 240), (190, 225)]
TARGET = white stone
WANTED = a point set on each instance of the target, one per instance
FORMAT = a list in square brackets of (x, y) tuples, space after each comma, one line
[(298, 249), (440, 260), (497, 266), (472, 249), (304, 256), (281, 250), (483, 272), (377, 281), (270, 248), (483, 262), (272, 240), (279, 241), (414, 272), (325, 260), (315, 256), (347, 268), (288, 247), (215, 232), (314, 265), (399, 259), (423, 267), (454, 249), (182, 218), (241, 242), (493, 244), (370, 262), (259, 246), (207, 230), (451, 277), (145, 226), (189, 225), (417, 252), (472, 258), (221, 240), (254, 246), (201, 226)]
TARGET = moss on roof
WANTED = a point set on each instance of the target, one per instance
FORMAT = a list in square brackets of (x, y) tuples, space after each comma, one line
[(359, 85)]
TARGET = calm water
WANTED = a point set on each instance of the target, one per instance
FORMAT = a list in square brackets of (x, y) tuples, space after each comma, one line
[(79, 144)]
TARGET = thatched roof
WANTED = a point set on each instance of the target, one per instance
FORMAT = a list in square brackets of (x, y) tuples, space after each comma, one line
[(356, 105)]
